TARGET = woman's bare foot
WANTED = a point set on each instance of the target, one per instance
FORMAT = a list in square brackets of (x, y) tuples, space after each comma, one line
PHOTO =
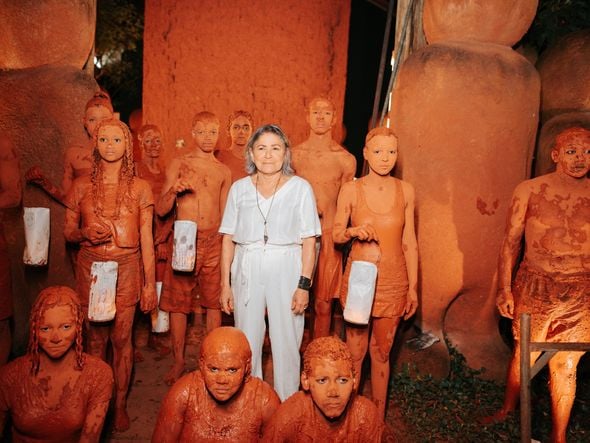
[(174, 373)]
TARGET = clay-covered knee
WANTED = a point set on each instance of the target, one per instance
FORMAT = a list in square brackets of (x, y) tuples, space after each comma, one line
[(120, 339), (356, 340), (379, 351), (563, 366)]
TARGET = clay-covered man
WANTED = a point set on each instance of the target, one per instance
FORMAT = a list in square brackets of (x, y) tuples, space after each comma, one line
[(150, 169), (10, 197), (328, 409), (239, 127), (326, 166), (220, 401), (77, 159), (552, 212), (196, 186)]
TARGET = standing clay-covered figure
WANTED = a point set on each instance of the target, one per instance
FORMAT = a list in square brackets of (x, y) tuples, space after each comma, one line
[(149, 169), (326, 166), (196, 186), (239, 126), (109, 213), (328, 409), (220, 401), (552, 212), (380, 210), (77, 159), (55, 392), (270, 225), (10, 197), (149, 138)]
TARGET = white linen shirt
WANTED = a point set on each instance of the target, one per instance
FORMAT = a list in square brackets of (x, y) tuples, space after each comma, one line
[(292, 216)]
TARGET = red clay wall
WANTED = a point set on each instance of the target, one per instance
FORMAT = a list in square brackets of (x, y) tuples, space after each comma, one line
[(266, 57)]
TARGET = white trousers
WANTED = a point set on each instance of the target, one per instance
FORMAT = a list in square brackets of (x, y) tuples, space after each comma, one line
[(265, 277)]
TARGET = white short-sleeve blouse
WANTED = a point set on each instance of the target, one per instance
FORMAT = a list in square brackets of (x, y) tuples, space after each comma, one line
[(292, 216)]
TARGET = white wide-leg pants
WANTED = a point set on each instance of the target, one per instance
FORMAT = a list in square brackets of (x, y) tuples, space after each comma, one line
[(267, 277)]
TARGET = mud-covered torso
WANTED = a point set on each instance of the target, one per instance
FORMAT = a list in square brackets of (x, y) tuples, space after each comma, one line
[(324, 170), (122, 213), (557, 227), (205, 421), (388, 222)]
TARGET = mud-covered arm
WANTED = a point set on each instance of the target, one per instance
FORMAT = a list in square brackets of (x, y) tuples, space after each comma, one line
[(173, 185), (349, 169), (340, 232), (510, 249), (171, 416), (148, 299), (410, 250)]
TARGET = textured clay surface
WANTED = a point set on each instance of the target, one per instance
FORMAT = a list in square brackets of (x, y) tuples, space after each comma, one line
[(546, 140), (500, 21), (466, 118), (267, 57), (36, 33), (565, 70), (43, 119)]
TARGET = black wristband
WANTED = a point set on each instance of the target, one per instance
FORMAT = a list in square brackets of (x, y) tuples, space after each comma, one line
[(304, 283)]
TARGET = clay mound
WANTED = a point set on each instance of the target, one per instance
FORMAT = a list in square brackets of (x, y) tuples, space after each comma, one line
[(552, 127), (500, 21), (36, 33), (565, 70)]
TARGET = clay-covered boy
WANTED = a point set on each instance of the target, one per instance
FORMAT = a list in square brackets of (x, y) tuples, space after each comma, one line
[(220, 401), (328, 409)]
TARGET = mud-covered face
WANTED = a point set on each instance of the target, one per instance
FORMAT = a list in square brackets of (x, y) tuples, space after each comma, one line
[(110, 143), (224, 373), (331, 384), (381, 154), (206, 135), (151, 141), (240, 130), (573, 156), (57, 331), (321, 116), (93, 116)]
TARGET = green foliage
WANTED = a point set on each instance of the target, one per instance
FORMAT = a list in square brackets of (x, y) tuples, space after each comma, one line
[(449, 410), (554, 19), (119, 51)]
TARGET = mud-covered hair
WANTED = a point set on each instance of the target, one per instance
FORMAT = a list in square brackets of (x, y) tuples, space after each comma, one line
[(100, 98), (126, 175), (239, 113), (327, 348), (380, 130), (204, 117), (48, 298), (571, 133)]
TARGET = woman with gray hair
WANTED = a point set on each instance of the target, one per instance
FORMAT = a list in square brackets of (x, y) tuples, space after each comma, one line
[(270, 224)]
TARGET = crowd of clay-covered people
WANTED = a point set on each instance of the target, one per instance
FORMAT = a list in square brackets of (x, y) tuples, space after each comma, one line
[(271, 222)]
